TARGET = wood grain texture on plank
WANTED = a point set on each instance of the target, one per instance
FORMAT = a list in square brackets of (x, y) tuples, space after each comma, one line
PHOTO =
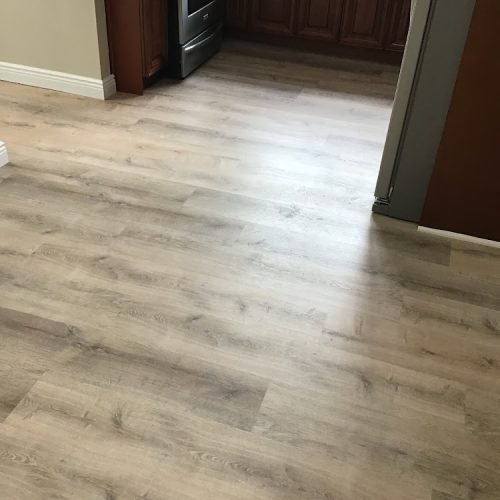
[(197, 303)]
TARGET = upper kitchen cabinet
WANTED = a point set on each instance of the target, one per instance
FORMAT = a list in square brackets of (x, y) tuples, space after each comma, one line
[(400, 24), (237, 14), (319, 19), (273, 16), (365, 23)]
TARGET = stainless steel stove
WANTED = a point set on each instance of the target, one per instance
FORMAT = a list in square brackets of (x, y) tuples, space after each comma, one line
[(195, 33)]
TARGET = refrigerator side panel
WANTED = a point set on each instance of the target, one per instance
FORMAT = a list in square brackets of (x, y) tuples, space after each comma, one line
[(442, 50)]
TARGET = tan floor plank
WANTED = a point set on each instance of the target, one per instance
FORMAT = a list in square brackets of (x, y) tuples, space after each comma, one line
[(197, 303)]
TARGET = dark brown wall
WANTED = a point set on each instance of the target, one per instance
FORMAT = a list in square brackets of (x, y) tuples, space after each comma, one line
[(464, 193)]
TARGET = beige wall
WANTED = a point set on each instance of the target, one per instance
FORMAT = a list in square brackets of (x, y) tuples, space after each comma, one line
[(59, 35)]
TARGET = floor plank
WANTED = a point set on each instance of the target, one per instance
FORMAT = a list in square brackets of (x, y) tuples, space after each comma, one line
[(197, 303)]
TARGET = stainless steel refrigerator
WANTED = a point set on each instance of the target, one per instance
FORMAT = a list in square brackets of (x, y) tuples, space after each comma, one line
[(436, 41)]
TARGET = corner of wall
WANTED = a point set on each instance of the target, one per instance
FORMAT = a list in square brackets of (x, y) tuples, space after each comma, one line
[(63, 46), (102, 38)]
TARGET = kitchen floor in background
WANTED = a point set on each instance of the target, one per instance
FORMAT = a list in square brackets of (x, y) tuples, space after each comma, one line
[(196, 302)]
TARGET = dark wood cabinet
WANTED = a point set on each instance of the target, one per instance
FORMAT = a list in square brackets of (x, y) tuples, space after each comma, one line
[(319, 19), (374, 29), (137, 34), (365, 23), (154, 20), (400, 23), (273, 16), (237, 14)]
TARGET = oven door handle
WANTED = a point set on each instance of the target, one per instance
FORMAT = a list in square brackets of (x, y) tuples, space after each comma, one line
[(201, 43)]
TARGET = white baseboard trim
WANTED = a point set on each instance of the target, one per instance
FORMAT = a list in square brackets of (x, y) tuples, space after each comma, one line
[(4, 157), (54, 80), (458, 236)]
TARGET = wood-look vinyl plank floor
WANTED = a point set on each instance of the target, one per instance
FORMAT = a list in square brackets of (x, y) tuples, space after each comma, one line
[(197, 303)]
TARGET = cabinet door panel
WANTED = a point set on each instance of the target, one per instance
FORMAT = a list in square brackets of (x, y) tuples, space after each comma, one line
[(319, 19), (365, 23), (400, 24), (274, 16), (237, 14), (154, 21)]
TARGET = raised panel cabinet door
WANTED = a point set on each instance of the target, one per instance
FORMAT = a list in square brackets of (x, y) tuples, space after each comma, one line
[(154, 21), (237, 14), (319, 19), (365, 23), (400, 24), (273, 16)]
